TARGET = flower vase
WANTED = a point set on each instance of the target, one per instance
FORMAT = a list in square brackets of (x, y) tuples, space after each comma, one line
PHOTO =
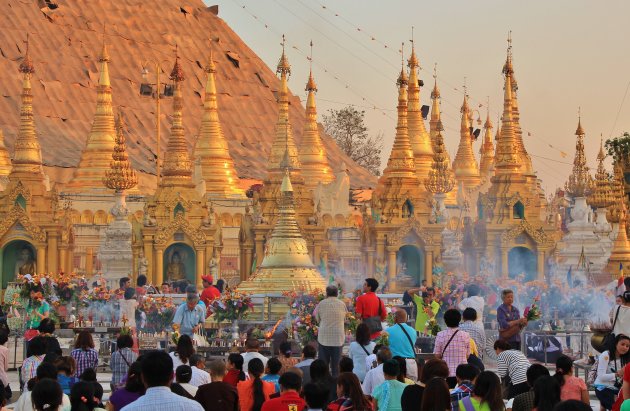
[(235, 330)]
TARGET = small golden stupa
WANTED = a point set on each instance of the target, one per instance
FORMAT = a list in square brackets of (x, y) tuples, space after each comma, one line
[(287, 265)]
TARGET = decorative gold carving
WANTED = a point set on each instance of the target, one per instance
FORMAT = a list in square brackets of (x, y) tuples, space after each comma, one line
[(580, 182), (180, 223), (120, 176), (18, 215), (20, 189), (411, 224), (537, 234)]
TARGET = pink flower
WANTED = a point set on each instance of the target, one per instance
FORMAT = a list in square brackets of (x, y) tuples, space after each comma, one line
[(526, 311)]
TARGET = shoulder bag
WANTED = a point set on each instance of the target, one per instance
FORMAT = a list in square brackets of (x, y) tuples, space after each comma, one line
[(413, 347), (448, 343), (609, 339), (509, 332), (374, 322)]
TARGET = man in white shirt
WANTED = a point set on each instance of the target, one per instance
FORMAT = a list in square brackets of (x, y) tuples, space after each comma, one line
[(375, 376), (199, 375), (157, 374), (475, 301), (330, 313), (252, 346)]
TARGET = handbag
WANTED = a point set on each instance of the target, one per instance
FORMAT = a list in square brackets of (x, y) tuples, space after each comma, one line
[(7, 392), (374, 322), (592, 373), (509, 332), (609, 339)]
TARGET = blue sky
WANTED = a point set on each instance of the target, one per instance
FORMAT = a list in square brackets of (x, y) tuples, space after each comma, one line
[(566, 54)]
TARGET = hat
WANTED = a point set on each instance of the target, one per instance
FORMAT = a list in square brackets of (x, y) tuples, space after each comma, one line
[(207, 278)]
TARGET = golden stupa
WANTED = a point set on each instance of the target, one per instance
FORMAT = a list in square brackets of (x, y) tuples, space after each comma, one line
[(287, 264)]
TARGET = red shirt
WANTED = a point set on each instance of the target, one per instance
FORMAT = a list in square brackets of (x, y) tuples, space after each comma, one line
[(210, 293), (287, 401), (620, 399), (367, 306), (232, 377)]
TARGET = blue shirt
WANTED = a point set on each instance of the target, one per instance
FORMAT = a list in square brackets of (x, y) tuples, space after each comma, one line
[(188, 319), (398, 341), (274, 378)]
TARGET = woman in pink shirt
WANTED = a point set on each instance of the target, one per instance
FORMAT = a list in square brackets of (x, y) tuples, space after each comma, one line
[(571, 387)]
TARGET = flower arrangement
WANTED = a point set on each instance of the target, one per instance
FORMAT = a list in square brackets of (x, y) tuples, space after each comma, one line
[(159, 311), (532, 312), (383, 339), (39, 283), (233, 305), (433, 328), (352, 322), (301, 307)]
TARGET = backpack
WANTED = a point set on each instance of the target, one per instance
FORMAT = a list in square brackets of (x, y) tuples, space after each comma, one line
[(592, 373)]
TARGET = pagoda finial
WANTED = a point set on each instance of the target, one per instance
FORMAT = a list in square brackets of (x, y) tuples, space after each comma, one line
[(312, 153), (486, 164), (580, 182), (601, 197), (579, 131), (120, 176), (413, 62), (212, 151), (310, 85), (177, 165), (284, 68), (402, 78), (507, 157), (440, 180), (26, 67)]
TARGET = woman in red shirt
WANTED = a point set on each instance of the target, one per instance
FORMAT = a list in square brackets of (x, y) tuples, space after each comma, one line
[(235, 370)]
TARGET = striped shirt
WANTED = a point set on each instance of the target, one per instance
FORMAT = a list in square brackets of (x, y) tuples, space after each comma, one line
[(477, 333), (120, 362), (85, 359), (513, 364), (29, 367), (457, 351)]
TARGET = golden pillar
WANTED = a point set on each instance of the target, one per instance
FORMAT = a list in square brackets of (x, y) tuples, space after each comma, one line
[(370, 262), (63, 259), (428, 267), (53, 250), (540, 264), (246, 261), (260, 252), (201, 263), (391, 262), (505, 269), (89, 261), (148, 254), (41, 258), (158, 275)]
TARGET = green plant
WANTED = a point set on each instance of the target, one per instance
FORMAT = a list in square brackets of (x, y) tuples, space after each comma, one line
[(619, 147)]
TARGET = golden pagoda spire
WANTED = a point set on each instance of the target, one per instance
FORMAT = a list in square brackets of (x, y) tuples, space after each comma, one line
[(418, 135), (440, 180), (525, 159), (96, 155), (312, 153), (5, 158), (507, 159), (177, 165), (580, 182), (486, 150), (401, 160), (212, 151), (601, 196), (286, 264), (283, 125), (620, 253), (120, 176), (465, 164), (617, 194), (27, 158), (435, 108)]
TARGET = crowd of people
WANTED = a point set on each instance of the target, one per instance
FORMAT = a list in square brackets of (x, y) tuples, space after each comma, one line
[(377, 374)]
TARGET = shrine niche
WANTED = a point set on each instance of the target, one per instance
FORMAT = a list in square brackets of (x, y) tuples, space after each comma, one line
[(179, 263), (18, 257)]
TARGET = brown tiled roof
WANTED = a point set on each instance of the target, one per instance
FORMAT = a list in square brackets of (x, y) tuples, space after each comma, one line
[(64, 46)]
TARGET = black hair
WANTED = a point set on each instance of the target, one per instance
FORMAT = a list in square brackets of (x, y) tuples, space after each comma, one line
[(46, 370), (502, 345), (469, 314), (467, 372), (285, 348), (47, 394), (319, 370), (124, 341), (98, 391), (46, 326), (88, 375), (626, 282), (82, 396), (473, 290), (391, 368), (290, 381), (534, 372), (256, 368), (123, 281), (274, 365), (376, 348), (572, 405), (315, 395), (134, 378), (157, 368), (402, 368), (4, 336), (383, 354), (546, 393), (183, 373), (563, 367), (440, 398), (237, 360), (129, 293), (195, 359), (37, 346), (433, 368), (332, 291), (184, 348), (346, 364), (612, 351), (363, 334), (309, 351), (488, 387), (372, 283), (220, 284), (452, 318), (142, 280)]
